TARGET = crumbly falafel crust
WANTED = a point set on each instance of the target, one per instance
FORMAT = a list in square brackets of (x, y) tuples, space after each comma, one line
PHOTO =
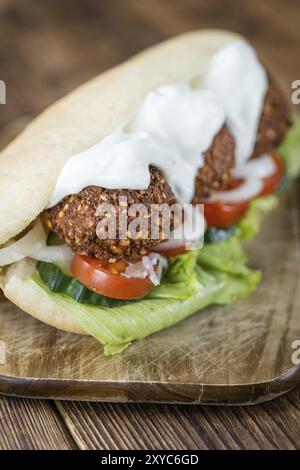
[(75, 220), (219, 161), (274, 122)]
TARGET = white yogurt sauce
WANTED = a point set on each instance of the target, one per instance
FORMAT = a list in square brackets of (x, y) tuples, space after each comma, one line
[(171, 131), (174, 127), (239, 80), (121, 161), (182, 120)]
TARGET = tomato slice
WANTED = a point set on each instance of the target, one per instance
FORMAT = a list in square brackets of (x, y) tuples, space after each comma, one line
[(222, 214), (170, 252), (106, 279)]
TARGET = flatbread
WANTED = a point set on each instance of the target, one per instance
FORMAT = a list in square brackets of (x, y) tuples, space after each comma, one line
[(19, 288), (30, 165)]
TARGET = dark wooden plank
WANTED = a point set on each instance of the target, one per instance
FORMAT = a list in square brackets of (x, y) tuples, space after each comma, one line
[(280, 423), (108, 426), (275, 425), (32, 424)]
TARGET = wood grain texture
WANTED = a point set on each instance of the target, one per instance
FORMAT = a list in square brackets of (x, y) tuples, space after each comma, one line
[(270, 426), (241, 353), (29, 424), (24, 424), (46, 49)]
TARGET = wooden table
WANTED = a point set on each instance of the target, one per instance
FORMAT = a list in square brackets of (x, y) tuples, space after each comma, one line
[(46, 49)]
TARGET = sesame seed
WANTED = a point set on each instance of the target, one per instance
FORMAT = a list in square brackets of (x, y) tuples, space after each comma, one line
[(116, 250)]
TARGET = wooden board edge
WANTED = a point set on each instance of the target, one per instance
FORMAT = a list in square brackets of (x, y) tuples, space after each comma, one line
[(150, 392)]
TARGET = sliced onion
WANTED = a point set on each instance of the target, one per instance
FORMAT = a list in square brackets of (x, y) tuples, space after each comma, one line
[(261, 167), (33, 245), (250, 188), (150, 266), (60, 255), (33, 241)]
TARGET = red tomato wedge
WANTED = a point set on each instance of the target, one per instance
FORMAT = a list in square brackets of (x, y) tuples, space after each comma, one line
[(221, 214), (169, 252), (106, 279)]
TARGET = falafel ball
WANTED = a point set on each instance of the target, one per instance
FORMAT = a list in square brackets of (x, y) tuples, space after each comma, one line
[(274, 122), (219, 160), (75, 220)]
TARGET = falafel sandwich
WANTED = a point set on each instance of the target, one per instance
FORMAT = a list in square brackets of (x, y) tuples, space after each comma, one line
[(124, 206)]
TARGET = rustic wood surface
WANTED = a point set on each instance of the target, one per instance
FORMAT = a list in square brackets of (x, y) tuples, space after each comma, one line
[(46, 49), (235, 354)]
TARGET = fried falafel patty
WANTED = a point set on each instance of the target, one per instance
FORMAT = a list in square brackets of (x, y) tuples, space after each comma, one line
[(75, 220), (274, 122), (219, 160)]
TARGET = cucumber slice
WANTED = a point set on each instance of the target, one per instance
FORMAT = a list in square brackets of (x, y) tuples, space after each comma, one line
[(60, 283), (215, 235)]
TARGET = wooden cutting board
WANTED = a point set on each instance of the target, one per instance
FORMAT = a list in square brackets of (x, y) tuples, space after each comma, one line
[(238, 354)]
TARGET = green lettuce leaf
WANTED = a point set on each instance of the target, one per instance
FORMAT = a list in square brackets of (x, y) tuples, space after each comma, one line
[(250, 224), (290, 149), (215, 275), (180, 280)]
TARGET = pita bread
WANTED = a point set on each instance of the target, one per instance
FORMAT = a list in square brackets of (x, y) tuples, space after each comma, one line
[(27, 295), (30, 165)]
